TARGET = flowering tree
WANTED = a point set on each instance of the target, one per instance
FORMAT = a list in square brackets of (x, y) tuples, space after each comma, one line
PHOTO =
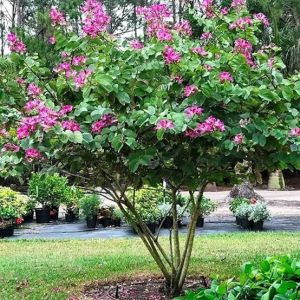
[(119, 114)]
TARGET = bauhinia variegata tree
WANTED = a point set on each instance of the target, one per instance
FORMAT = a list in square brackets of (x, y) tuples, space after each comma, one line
[(174, 108)]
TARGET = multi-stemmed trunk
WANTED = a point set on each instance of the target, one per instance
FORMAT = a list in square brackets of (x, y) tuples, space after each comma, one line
[(174, 261)]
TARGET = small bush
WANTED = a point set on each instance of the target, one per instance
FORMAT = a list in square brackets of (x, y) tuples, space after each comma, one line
[(89, 205), (236, 202)]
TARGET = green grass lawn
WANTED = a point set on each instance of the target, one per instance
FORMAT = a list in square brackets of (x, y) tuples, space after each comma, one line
[(39, 270)]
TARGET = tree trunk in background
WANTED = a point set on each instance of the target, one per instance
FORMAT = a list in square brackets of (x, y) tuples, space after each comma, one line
[(276, 181)]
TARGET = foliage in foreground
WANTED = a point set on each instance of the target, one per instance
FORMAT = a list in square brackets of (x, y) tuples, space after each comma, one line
[(276, 278)]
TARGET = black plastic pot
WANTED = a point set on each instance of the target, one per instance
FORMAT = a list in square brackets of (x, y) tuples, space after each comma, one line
[(168, 222), (152, 227), (7, 231), (117, 222), (245, 223), (105, 221), (91, 222), (54, 211), (238, 220), (28, 217), (257, 226), (42, 215), (200, 222), (70, 217)]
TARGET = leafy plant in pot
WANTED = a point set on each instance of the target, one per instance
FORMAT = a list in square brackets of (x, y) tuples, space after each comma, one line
[(106, 216), (12, 207), (243, 212), (73, 197), (49, 190), (234, 204), (207, 206), (89, 206), (258, 214), (117, 216), (167, 217), (30, 206)]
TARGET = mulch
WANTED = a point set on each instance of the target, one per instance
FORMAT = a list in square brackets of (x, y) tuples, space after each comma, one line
[(147, 288)]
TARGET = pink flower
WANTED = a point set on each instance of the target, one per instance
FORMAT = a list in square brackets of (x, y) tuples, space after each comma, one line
[(225, 76), (154, 12), (190, 90), (136, 44), (65, 110), (79, 60), (238, 139), (271, 62), (33, 90), (164, 34), (183, 28), (193, 110), (52, 40), (199, 50), (57, 17), (20, 81), (224, 11), (208, 67), (106, 121), (177, 78), (9, 147), (70, 125), (15, 45), (65, 54), (241, 23), (33, 104), (238, 3), (81, 78), (295, 132), (206, 36), (3, 132), (63, 67), (207, 6), (95, 20), (33, 154), (244, 47), (261, 17), (170, 55), (164, 124)]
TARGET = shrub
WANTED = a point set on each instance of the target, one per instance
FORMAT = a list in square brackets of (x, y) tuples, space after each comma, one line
[(89, 205), (73, 196), (12, 204), (48, 190), (255, 212), (117, 214), (243, 211), (276, 278), (236, 202), (207, 206)]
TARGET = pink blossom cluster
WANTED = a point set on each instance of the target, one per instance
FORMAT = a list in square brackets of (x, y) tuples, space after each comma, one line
[(244, 47), (241, 23), (15, 45), (81, 79), (170, 55), (164, 124), (211, 124), (79, 60), (207, 6), (206, 36), (225, 77), (190, 90), (193, 110), (20, 81), (239, 139), (3, 132), (199, 50), (106, 121), (177, 78), (71, 125), (224, 11), (295, 132), (95, 19), (57, 17), (136, 44), (184, 28), (261, 17), (33, 90), (238, 3), (32, 154), (155, 16), (52, 40), (9, 147)]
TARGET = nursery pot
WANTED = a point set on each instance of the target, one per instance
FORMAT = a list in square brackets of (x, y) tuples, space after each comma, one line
[(152, 227), (7, 231), (168, 222), (105, 221), (245, 223), (117, 222), (42, 215), (54, 210), (70, 217), (28, 217), (238, 220), (91, 222), (258, 226), (200, 222)]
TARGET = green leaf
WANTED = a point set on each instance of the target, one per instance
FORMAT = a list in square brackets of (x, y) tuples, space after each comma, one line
[(140, 157), (123, 97), (87, 137), (117, 142), (105, 81)]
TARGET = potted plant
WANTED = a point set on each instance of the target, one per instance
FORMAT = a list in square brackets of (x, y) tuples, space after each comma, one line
[(166, 214), (49, 190), (243, 212), (89, 206), (30, 206), (72, 199), (106, 216), (207, 206), (117, 216), (258, 214), (12, 206), (234, 204)]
